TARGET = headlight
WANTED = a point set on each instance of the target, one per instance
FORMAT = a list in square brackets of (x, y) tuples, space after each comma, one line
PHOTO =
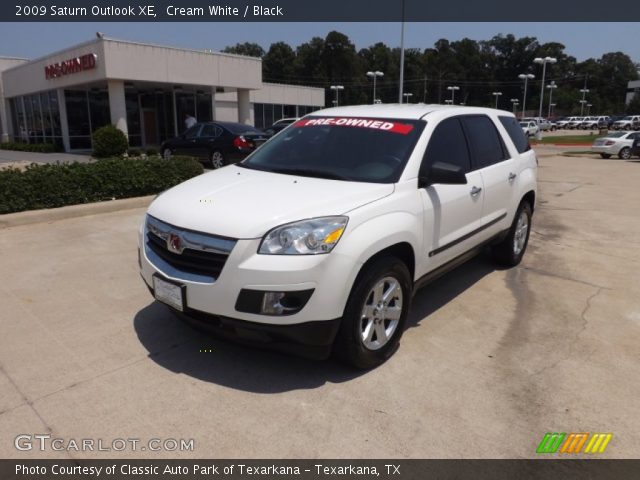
[(307, 237)]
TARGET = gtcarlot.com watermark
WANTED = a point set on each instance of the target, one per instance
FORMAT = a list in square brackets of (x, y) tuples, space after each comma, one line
[(42, 442)]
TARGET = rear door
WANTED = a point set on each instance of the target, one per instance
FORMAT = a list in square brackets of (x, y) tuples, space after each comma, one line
[(451, 212), (187, 144), (208, 139), (498, 170)]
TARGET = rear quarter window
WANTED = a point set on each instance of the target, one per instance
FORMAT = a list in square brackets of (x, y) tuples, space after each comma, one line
[(512, 126)]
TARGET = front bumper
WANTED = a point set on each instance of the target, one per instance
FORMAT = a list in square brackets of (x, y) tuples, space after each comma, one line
[(214, 305), (310, 339)]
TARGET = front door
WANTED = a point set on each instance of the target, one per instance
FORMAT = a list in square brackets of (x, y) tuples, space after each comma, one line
[(150, 127), (451, 212)]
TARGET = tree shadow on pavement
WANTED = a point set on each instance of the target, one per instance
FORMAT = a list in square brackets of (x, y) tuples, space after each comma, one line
[(180, 348)]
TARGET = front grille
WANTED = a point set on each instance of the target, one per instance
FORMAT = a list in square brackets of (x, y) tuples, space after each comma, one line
[(202, 259)]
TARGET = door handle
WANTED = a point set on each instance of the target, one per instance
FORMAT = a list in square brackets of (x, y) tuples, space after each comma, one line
[(475, 191), (512, 176)]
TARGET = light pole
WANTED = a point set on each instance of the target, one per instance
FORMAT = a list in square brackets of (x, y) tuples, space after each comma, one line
[(515, 102), (375, 75), (584, 92), (453, 89), (406, 96), (582, 104), (526, 77), (552, 86), (336, 88), (543, 62), (448, 102), (497, 95), (551, 105), (401, 57), (589, 109)]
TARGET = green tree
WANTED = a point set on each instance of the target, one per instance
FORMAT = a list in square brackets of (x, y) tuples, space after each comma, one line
[(278, 63), (247, 48)]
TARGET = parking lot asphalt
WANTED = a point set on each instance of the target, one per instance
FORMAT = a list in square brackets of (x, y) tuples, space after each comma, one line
[(492, 359)]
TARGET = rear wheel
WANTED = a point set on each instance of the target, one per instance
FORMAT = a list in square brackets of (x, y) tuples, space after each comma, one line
[(625, 153), (375, 315), (216, 159), (509, 252)]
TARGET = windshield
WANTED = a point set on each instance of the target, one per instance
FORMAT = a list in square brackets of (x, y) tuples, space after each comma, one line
[(340, 148), (627, 118), (524, 124)]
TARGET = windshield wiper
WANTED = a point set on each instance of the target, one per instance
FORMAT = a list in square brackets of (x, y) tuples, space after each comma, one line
[(308, 172)]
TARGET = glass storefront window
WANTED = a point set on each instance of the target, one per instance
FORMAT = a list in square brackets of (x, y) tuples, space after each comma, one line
[(185, 105), (99, 109), (55, 113), (78, 119), (203, 107)]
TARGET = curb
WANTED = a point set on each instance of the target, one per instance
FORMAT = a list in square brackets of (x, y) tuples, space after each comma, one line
[(72, 211)]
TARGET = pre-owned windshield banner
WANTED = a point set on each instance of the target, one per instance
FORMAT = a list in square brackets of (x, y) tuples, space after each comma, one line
[(384, 125)]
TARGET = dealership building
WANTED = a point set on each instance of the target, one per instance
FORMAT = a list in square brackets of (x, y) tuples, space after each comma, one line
[(144, 90), (633, 89)]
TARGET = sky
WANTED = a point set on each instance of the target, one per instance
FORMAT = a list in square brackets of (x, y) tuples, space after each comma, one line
[(582, 40)]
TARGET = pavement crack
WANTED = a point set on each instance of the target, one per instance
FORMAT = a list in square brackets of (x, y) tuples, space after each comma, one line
[(583, 328), (29, 403)]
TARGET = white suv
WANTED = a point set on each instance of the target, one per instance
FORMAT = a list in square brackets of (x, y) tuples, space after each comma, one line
[(318, 240)]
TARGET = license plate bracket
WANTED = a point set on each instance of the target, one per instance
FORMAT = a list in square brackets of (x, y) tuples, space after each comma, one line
[(170, 293)]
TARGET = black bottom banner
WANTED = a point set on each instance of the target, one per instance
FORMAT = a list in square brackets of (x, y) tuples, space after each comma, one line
[(319, 469)]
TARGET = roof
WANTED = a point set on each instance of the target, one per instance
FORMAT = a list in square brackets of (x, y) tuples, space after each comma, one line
[(403, 111)]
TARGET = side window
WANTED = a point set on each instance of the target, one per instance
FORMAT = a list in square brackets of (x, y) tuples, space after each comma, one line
[(192, 132), (208, 131), (447, 144), (484, 141)]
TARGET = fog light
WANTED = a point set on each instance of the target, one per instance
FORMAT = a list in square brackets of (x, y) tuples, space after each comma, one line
[(271, 303)]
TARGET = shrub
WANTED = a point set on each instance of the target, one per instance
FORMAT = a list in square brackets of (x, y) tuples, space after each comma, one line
[(108, 141), (29, 147), (151, 152), (57, 185), (134, 152)]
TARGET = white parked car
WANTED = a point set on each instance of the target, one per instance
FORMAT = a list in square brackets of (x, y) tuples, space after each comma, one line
[(630, 122), (595, 122), (616, 143), (317, 241), (530, 128), (542, 123), (563, 122), (575, 123)]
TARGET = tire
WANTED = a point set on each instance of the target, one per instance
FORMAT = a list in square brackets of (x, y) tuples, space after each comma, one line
[(510, 250), (605, 155), (625, 153), (166, 154), (366, 340), (216, 159)]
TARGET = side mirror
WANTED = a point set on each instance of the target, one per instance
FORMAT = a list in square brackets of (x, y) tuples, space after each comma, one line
[(443, 173)]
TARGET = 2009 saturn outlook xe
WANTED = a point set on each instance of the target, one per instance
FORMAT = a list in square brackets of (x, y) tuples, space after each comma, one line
[(316, 242)]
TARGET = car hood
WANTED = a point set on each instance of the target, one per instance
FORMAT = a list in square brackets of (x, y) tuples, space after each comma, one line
[(242, 203)]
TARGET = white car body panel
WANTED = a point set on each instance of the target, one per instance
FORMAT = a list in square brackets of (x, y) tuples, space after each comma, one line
[(245, 204)]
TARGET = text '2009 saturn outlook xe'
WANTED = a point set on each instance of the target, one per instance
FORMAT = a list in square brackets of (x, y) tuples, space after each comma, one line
[(316, 242)]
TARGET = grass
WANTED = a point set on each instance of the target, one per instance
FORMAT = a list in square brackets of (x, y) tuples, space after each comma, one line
[(568, 139)]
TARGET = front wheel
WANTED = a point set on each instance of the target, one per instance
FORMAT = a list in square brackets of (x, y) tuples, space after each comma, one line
[(605, 155), (375, 315), (625, 153), (509, 252)]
